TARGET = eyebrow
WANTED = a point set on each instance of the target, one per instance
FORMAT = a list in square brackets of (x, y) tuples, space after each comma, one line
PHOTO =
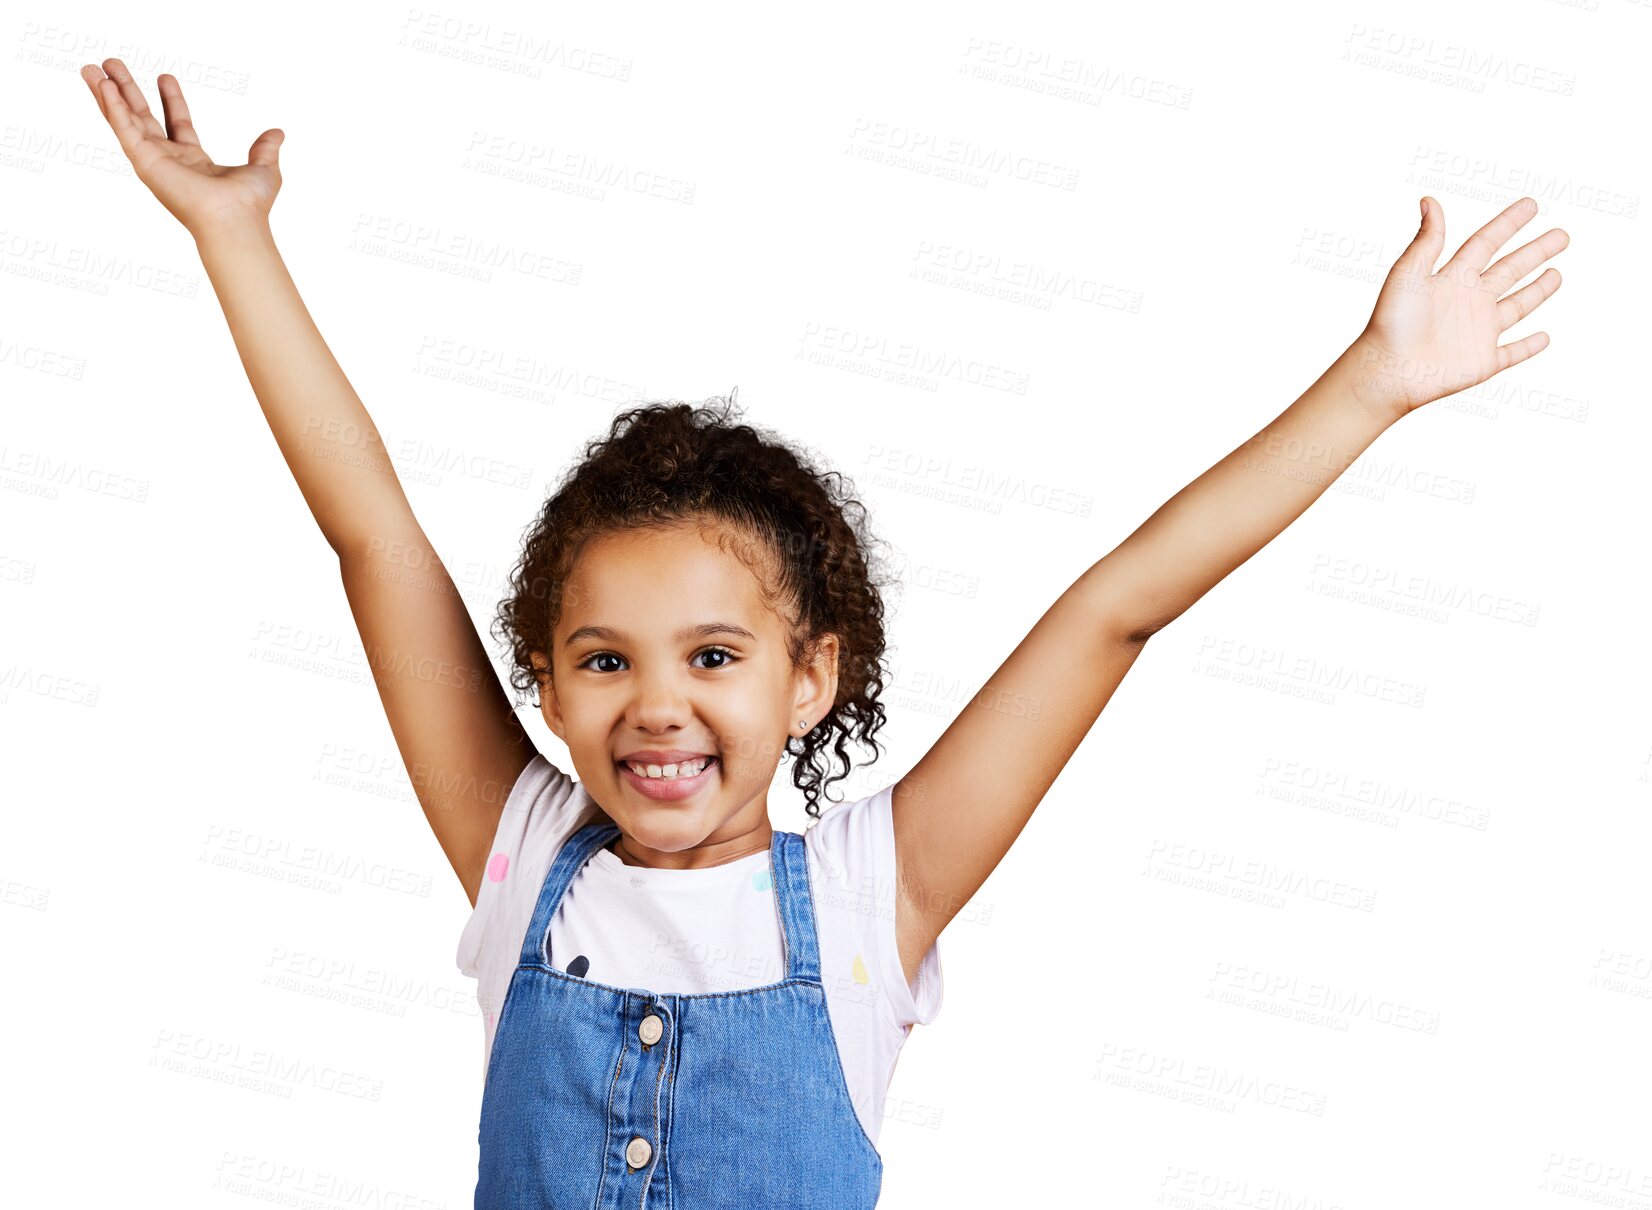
[(703, 631)]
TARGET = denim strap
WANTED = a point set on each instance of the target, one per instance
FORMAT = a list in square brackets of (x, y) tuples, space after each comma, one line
[(788, 860), (575, 852)]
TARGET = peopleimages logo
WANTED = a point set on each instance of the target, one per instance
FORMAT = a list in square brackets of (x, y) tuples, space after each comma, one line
[(963, 154)]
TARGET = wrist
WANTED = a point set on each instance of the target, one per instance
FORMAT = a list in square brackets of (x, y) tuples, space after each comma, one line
[(1365, 373), (232, 230)]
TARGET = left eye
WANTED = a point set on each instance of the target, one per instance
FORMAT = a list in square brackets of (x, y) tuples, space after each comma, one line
[(728, 656)]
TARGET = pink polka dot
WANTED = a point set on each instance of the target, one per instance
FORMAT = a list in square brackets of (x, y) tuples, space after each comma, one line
[(490, 1020), (497, 867)]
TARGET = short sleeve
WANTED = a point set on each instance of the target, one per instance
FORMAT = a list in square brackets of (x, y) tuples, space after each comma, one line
[(854, 844), (539, 786), (915, 1003)]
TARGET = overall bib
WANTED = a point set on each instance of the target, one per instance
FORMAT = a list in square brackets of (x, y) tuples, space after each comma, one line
[(600, 1097)]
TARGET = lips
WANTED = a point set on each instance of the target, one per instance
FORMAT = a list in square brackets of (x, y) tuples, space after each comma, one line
[(669, 789)]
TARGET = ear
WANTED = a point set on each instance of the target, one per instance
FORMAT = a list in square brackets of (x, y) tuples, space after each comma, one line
[(817, 683), (549, 707), (553, 716)]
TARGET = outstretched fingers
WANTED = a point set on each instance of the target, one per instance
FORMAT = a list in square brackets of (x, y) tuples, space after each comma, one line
[(1477, 248), (1513, 354), (1523, 260), (1524, 301), (178, 126), (114, 108), (133, 96)]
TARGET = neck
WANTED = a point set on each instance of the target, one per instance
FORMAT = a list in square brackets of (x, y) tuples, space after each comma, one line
[(700, 857)]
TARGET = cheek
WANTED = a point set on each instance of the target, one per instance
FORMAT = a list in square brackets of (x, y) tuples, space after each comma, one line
[(753, 754)]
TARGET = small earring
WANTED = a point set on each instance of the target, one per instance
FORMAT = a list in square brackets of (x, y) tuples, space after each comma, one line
[(802, 723)]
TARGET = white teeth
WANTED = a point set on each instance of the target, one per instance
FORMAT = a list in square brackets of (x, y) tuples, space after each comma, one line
[(687, 768)]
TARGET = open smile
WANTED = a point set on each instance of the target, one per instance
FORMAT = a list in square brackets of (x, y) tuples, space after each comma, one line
[(669, 789)]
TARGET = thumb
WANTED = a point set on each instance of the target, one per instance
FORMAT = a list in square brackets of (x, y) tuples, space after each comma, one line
[(1424, 249), (265, 148)]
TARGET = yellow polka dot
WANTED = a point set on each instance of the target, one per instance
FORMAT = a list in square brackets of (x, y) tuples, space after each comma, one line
[(861, 976)]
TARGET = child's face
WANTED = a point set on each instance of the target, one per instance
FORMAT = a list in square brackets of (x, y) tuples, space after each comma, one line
[(643, 684)]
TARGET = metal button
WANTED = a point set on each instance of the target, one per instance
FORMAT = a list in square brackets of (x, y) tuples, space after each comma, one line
[(651, 1029), (637, 1152)]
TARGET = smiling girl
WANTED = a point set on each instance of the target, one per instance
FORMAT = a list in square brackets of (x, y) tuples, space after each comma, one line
[(683, 1005)]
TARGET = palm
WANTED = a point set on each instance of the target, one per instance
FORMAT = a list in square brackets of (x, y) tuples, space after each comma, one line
[(171, 161), (1435, 333), (189, 184)]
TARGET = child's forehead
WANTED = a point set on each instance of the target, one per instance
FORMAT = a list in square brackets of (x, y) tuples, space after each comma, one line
[(661, 581), (677, 548)]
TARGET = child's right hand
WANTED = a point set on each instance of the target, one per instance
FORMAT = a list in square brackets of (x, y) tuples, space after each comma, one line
[(200, 194)]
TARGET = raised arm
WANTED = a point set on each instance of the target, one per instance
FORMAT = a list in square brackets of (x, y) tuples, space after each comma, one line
[(453, 723), (958, 810)]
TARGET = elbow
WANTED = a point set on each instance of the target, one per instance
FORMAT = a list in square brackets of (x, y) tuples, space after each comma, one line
[(1138, 635)]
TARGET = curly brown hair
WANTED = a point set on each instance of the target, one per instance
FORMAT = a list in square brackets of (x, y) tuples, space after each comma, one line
[(663, 463)]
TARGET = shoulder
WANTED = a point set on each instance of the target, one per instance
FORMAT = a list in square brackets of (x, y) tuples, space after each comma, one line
[(849, 838), (544, 808), (541, 791)]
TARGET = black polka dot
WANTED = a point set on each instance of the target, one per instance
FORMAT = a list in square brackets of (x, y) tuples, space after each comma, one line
[(579, 966)]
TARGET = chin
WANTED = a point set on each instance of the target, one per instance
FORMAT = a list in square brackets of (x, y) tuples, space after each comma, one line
[(666, 828)]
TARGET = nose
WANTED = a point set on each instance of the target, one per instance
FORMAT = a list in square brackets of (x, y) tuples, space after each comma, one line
[(659, 704)]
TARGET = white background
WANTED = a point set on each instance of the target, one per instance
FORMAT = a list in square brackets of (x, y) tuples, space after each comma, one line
[(1343, 900)]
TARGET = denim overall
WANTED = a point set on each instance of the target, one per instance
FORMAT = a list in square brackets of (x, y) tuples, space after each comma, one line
[(601, 1097)]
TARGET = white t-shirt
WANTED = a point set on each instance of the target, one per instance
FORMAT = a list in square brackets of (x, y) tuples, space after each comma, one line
[(710, 930)]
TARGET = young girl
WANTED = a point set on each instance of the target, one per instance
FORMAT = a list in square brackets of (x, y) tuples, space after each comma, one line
[(684, 1006)]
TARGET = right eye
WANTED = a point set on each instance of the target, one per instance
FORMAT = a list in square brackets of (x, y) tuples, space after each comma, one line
[(599, 655)]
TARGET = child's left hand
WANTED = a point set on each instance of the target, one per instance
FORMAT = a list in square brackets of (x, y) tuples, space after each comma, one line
[(1435, 333)]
